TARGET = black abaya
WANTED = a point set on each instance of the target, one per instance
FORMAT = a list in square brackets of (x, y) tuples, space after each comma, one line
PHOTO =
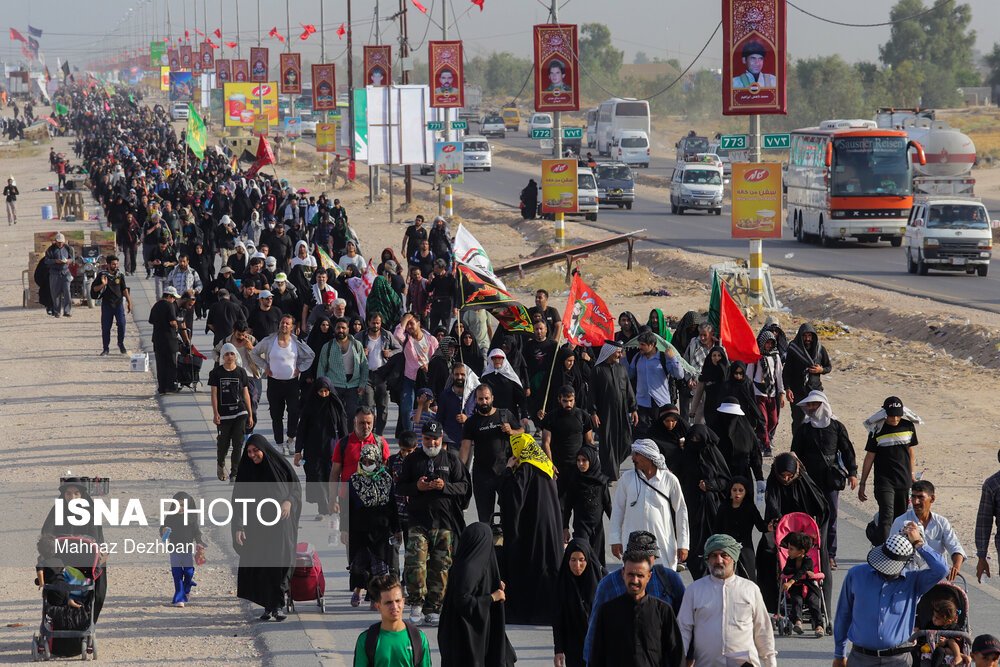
[(614, 403), (574, 600), (322, 422), (701, 461), (472, 632), (589, 500), (369, 529)]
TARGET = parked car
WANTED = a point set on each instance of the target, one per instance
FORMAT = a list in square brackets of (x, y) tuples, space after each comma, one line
[(179, 111), (492, 125), (478, 154), (615, 184)]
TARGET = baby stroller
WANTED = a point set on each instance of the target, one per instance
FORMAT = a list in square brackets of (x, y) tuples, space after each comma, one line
[(189, 363), (66, 630), (927, 637), (799, 522), (308, 581)]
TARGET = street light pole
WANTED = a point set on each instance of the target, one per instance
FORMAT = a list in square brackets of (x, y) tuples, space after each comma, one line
[(556, 116)]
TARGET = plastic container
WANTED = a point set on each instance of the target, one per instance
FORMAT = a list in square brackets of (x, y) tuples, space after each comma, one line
[(140, 362), (46, 213)]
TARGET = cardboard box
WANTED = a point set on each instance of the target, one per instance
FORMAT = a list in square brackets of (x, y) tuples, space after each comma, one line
[(139, 362)]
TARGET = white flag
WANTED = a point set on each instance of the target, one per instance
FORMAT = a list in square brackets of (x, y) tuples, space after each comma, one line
[(469, 251)]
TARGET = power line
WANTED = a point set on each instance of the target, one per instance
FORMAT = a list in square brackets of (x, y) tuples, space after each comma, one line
[(936, 7)]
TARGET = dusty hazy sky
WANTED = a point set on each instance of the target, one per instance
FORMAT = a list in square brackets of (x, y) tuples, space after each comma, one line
[(665, 28)]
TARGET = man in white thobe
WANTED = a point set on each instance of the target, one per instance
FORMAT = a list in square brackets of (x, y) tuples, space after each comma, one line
[(723, 619), (650, 498)]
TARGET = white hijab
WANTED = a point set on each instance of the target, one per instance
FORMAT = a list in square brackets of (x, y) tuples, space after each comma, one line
[(505, 370), (606, 351), (823, 415)]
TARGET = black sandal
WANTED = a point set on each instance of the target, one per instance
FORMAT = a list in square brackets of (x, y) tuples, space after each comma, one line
[(266, 615)]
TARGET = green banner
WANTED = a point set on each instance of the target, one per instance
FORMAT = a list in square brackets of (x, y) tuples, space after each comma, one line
[(360, 124), (157, 51)]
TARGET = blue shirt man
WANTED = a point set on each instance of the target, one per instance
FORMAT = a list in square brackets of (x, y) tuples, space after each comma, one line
[(652, 372), (878, 601)]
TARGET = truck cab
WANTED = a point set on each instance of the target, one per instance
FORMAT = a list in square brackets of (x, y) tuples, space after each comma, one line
[(948, 234)]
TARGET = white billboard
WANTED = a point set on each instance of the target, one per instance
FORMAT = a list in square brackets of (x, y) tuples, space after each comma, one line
[(397, 125)]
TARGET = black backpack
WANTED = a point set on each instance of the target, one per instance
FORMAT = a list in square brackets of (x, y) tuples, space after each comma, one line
[(371, 641)]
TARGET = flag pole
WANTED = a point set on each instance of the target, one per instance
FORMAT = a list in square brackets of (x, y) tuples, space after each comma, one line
[(548, 385)]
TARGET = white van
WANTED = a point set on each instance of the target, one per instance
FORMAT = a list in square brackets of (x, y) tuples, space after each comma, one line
[(477, 154), (696, 185), (631, 147), (948, 235), (587, 202)]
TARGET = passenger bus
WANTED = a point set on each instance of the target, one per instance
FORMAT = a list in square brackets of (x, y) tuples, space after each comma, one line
[(592, 128), (850, 179), (618, 114)]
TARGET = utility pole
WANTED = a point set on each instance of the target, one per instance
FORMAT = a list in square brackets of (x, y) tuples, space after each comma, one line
[(447, 110), (404, 54), (556, 116), (374, 173), (351, 167), (239, 40)]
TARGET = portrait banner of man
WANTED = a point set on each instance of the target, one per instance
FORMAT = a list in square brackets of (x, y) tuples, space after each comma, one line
[(223, 72), (174, 60), (291, 73), (324, 87), (557, 76), (447, 77), (185, 56), (753, 62), (378, 65), (241, 71), (258, 64), (207, 57)]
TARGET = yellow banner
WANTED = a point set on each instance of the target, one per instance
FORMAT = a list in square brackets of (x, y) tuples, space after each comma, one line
[(241, 103), (756, 200), (559, 186), (164, 78), (326, 137)]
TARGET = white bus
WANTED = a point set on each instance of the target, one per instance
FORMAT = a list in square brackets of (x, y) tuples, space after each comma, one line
[(618, 114), (592, 128)]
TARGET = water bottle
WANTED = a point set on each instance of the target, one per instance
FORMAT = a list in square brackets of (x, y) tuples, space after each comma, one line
[(166, 534), (333, 538)]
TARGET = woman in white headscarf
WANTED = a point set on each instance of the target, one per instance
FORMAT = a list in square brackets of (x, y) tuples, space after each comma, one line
[(506, 385)]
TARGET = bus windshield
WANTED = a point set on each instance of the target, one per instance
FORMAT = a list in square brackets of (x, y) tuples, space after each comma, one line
[(632, 109), (957, 216), (870, 166)]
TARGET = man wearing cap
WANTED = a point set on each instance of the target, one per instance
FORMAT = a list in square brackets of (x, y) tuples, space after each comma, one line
[(878, 602), (232, 409), (664, 584), (110, 288), (986, 651), (890, 451), (753, 59), (723, 619), (163, 317), (649, 497), (263, 317), (58, 258), (437, 486), (613, 408), (937, 530), (286, 299)]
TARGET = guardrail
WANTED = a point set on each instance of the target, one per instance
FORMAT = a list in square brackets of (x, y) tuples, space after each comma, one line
[(570, 255)]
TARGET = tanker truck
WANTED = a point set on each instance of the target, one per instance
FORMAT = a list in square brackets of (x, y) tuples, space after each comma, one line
[(950, 153)]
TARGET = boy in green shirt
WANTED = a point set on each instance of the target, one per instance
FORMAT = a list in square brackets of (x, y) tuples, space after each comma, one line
[(392, 642)]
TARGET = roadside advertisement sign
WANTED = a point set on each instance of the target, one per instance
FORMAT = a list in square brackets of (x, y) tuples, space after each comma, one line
[(242, 103), (157, 53), (258, 64), (164, 78), (291, 127), (753, 59), (326, 137), (557, 78), (559, 186), (756, 200), (378, 65), (260, 126), (447, 78), (449, 162), (182, 85), (291, 73), (324, 87)]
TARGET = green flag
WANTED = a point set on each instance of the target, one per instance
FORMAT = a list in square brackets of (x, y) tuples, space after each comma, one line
[(61, 109), (715, 303), (196, 135)]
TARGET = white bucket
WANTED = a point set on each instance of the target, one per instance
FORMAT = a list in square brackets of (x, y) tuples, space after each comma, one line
[(140, 362), (46, 213)]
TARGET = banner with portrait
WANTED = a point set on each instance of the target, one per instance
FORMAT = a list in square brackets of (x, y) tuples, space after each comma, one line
[(447, 78), (557, 76), (324, 87), (223, 72), (241, 71), (174, 60), (258, 64), (291, 73), (753, 60), (378, 65), (185, 56), (196, 62), (207, 57)]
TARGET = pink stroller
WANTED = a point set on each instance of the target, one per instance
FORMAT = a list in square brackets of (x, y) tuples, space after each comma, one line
[(799, 522)]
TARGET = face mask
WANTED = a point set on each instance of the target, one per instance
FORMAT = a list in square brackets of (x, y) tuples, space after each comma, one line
[(431, 451), (484, 409), (368, 467)]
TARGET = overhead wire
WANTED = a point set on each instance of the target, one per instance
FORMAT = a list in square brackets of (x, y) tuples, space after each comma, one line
[(936, 7)]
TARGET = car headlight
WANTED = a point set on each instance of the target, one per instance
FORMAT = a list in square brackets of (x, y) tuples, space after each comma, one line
[(986, 244), (931, 243)]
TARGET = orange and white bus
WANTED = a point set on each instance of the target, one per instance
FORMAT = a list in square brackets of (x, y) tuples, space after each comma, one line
[(849, 179)]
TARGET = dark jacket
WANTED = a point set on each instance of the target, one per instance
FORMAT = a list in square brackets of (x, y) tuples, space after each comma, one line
[(799, 358), (817, 448), (435, 509)]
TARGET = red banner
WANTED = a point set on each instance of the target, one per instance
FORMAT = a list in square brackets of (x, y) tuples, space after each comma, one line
[(241, 71), (324, 87), (378, 65), (446, 74), (753, 58), (587, 319), (258, 64), (174, 60), (223, 72), (185, 56), (291, 73), (207, 57), (557, 77)]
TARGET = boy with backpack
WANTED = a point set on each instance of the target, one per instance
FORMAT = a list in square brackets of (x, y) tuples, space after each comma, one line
[(392, 642)]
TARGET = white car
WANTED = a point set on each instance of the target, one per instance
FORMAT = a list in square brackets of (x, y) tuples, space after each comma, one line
[(540, 121), (478, 154), (492, 125), (307, 125), (179, 111), (696, 186), (631, 147)]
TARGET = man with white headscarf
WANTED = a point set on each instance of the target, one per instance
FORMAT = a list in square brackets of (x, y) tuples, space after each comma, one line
[(822, 444), (613, 408), (650, 498), (508, 393)]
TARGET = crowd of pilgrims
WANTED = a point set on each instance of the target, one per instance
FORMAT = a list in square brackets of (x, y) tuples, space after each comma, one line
[(458, 379)]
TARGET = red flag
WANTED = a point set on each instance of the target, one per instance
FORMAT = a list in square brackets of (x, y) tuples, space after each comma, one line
[(586, 320), (479, 3), (187, 35), (199, 32), (16, 36), (341, 31), (274, 33), (735, 333), (211, 43), (265, 156), (218, 33), (419, 6), (308, 28), (231, 45)]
